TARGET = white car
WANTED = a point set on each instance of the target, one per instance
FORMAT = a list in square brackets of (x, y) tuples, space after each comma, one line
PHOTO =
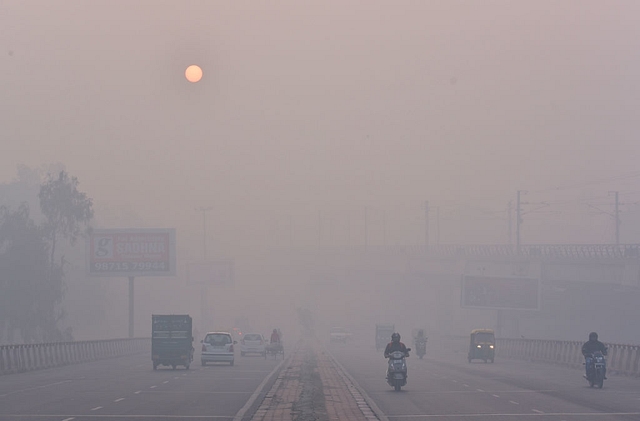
[(252, 343), (217, 347)]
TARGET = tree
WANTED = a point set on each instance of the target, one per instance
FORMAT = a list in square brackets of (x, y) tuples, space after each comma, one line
[(30, 288), (65, 208)]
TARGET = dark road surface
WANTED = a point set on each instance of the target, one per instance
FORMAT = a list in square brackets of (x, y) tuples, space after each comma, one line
[(440, 387), (128, 388), (447, 387)]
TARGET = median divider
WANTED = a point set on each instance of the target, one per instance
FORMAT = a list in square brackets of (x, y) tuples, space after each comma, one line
[(27, 357), (312, 386)]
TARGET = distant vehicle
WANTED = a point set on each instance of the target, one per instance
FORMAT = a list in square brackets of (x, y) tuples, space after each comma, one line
[(171, 340), (482, 345), (252, 343), (383, 335), (339, 334), (217, 347)]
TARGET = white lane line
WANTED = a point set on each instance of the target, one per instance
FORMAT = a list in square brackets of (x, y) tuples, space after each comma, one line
[(480, 390), (68, 419), (495, 396), (138, 392), (537, 411), (165, 382), (96, 408), (455, 381), (34, 388), (176, 378), (465, 385), (580, 415), (514, 402), (153, 387), (119, 400)]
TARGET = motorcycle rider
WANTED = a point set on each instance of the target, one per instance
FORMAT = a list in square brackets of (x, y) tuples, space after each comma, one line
[(589, 347), (395, 345), (420, 338), (275, 337)]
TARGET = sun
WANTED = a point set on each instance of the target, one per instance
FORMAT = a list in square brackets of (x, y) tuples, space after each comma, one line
[(193, 73)]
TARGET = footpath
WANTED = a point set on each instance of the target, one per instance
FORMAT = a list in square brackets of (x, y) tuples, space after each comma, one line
[(313, 387)]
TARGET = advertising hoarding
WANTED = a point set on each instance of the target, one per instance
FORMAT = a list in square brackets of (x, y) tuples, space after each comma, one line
[(500, 293), (216, 272), (132, 252)]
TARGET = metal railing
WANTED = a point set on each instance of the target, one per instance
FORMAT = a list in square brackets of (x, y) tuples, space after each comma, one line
[(537, 251), (27, 357), (621, 359)]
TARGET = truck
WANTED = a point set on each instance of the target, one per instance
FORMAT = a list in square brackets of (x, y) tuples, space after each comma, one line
[(171, 340), (383, 335)]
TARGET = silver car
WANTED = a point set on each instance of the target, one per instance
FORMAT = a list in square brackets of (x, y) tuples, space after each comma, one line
[(217, 347)]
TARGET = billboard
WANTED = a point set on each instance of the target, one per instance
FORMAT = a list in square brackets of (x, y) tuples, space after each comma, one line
[(132, 252), (500, 293), (216, 272)]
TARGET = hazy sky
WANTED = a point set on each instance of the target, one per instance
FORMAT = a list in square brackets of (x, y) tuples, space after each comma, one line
[(328, 106)]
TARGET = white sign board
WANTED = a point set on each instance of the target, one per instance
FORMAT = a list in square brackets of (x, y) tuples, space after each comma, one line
[(132, 252), (217, 272)]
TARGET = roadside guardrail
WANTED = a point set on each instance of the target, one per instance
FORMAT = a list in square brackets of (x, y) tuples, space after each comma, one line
[(621, 359), (27, 357)]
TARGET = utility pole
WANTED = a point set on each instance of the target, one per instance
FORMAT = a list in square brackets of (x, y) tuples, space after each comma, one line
[(437, 225), (509, 211), (518, 219), (426, 223), (616, 215), (384, 228), (204, 231), (366, 228), (203, 288)]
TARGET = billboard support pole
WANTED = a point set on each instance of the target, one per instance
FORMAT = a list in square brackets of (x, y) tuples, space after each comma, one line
[(131, 278)]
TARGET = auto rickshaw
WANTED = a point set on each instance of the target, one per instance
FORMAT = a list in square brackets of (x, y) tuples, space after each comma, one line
[(482, 345)]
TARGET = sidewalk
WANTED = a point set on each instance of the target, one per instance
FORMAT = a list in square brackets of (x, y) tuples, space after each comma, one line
[(311, 387)]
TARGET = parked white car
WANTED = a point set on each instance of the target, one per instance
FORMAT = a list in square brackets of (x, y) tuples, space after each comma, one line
[(217, 347), (252, 343)]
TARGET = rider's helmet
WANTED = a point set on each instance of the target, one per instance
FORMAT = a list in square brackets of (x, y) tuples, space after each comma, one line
[(275, 330), (593, 336), (421, 333), (395, 337)]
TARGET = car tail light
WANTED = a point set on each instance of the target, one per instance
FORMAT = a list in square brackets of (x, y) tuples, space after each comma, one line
[(231, 348), (204, 348)]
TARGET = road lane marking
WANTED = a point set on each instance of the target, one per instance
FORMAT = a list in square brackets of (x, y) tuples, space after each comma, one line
[(68, 419), (465, 385), (514, 402), (123, 417), (34, 388), (96, 408), (165, 382), (119, 400), (153, 387), (598, 415), (455, 381), (495, 396), (480, 390), (240, 414), (537, 411), (138, 392)]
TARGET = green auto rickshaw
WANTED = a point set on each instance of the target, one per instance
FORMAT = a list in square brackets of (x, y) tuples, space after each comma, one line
[(482, 345)]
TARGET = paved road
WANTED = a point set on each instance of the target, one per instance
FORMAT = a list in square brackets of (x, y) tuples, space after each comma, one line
[(127, 388), (449, 388)]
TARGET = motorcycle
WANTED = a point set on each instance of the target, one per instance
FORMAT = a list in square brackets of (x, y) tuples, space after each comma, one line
[(596, 366), (421, 347), (397, 369)]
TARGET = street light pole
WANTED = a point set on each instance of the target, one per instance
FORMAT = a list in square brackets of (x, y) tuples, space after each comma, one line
[(204, 230)]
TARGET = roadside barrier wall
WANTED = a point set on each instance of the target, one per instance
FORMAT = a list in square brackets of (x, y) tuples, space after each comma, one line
[(27, 357), (621, 359)]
